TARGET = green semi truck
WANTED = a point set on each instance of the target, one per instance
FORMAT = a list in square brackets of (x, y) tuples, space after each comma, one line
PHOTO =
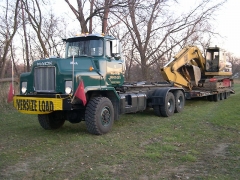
[(88, 85)]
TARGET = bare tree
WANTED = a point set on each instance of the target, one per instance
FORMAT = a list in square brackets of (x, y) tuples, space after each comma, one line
[(35, 18), (25, 37), (79, 13), (155, 32), (102, 8), (91, 20), (46, 30), (53, 33), (9, 25), (235, 61)]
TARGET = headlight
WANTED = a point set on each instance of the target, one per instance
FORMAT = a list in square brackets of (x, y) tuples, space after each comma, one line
[(68, 87), (24, 87)]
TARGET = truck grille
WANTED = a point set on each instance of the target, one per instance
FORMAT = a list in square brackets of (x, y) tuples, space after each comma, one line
[(44, 79)]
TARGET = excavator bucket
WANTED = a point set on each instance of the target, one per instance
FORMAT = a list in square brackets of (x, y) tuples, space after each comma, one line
[(194, 73)]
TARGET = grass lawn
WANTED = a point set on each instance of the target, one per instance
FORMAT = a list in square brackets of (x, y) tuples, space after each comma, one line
[(202, 142)]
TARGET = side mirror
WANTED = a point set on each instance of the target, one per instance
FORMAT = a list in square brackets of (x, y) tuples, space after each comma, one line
[(115, 46), (117, 56)]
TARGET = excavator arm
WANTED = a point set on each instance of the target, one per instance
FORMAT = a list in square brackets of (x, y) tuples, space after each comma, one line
[(186, 68)]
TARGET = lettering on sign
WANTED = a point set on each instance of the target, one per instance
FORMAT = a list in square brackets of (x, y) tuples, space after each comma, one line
[(115, 77), (115, 82), (49, 63), (75, 63), (115, 73), (34, 105)]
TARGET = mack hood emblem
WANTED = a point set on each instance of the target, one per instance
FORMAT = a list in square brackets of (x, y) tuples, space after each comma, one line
[(48, 63)]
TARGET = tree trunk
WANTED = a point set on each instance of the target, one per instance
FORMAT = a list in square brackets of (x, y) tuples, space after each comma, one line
[(25, 38), (107, 5), (90, 21), (9, 39)]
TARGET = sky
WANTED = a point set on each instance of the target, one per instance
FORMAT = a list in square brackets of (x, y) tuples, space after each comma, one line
[(228, 25)]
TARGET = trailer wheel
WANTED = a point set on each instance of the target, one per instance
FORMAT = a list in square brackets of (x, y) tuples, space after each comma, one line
[(179, 101), (51, 121), (169, 107), (228, 94), (225, 95), (221, 96), (216, 97), (99, 115)]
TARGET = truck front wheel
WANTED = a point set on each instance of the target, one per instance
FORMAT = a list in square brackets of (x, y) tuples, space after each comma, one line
[(99, 115), (51, 121)]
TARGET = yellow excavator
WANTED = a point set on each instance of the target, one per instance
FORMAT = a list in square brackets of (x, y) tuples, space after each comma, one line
[(190, 69)]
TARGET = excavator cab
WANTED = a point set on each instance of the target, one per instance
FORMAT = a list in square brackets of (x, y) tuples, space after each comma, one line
[(216, 60)]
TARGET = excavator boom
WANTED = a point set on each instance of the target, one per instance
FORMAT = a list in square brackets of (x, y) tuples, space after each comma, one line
[(188, 67)]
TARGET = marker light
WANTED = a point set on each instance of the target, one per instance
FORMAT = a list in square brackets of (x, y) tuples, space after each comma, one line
[(213, 80), (91, 68), (68, 90), (24, 87), (68, 87)]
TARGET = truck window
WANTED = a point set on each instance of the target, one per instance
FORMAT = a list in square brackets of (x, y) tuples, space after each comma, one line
[(96, 47), (84, 48)]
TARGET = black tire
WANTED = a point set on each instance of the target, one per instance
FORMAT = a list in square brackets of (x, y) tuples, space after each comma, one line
[(225, 95), (221, 96), (210, 98), (216, 97), (179, 101), (156, 110), (51, 121), (169, 107), (228, 94), (99, 115)]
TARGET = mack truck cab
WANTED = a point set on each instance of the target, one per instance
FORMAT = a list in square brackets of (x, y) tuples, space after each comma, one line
[(88, 85)]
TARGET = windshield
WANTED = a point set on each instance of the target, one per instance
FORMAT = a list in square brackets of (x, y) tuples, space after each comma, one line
[(85, 48)]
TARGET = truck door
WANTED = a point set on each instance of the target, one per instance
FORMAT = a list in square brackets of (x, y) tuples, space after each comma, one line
[(115, 67)]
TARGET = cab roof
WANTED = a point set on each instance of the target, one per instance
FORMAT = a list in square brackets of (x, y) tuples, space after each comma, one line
[(84, 35)]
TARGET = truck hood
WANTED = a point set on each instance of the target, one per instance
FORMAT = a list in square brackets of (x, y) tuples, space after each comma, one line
[(80, 63)]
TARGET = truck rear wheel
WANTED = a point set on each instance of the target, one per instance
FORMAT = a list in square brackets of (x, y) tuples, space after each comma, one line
[(179, 101), (99, 115), (51, 121), (169, 107), (157, 110)]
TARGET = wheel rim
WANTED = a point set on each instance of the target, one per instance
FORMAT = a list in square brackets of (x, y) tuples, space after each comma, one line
[(170, 105), (105, 116), (180, 102)]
